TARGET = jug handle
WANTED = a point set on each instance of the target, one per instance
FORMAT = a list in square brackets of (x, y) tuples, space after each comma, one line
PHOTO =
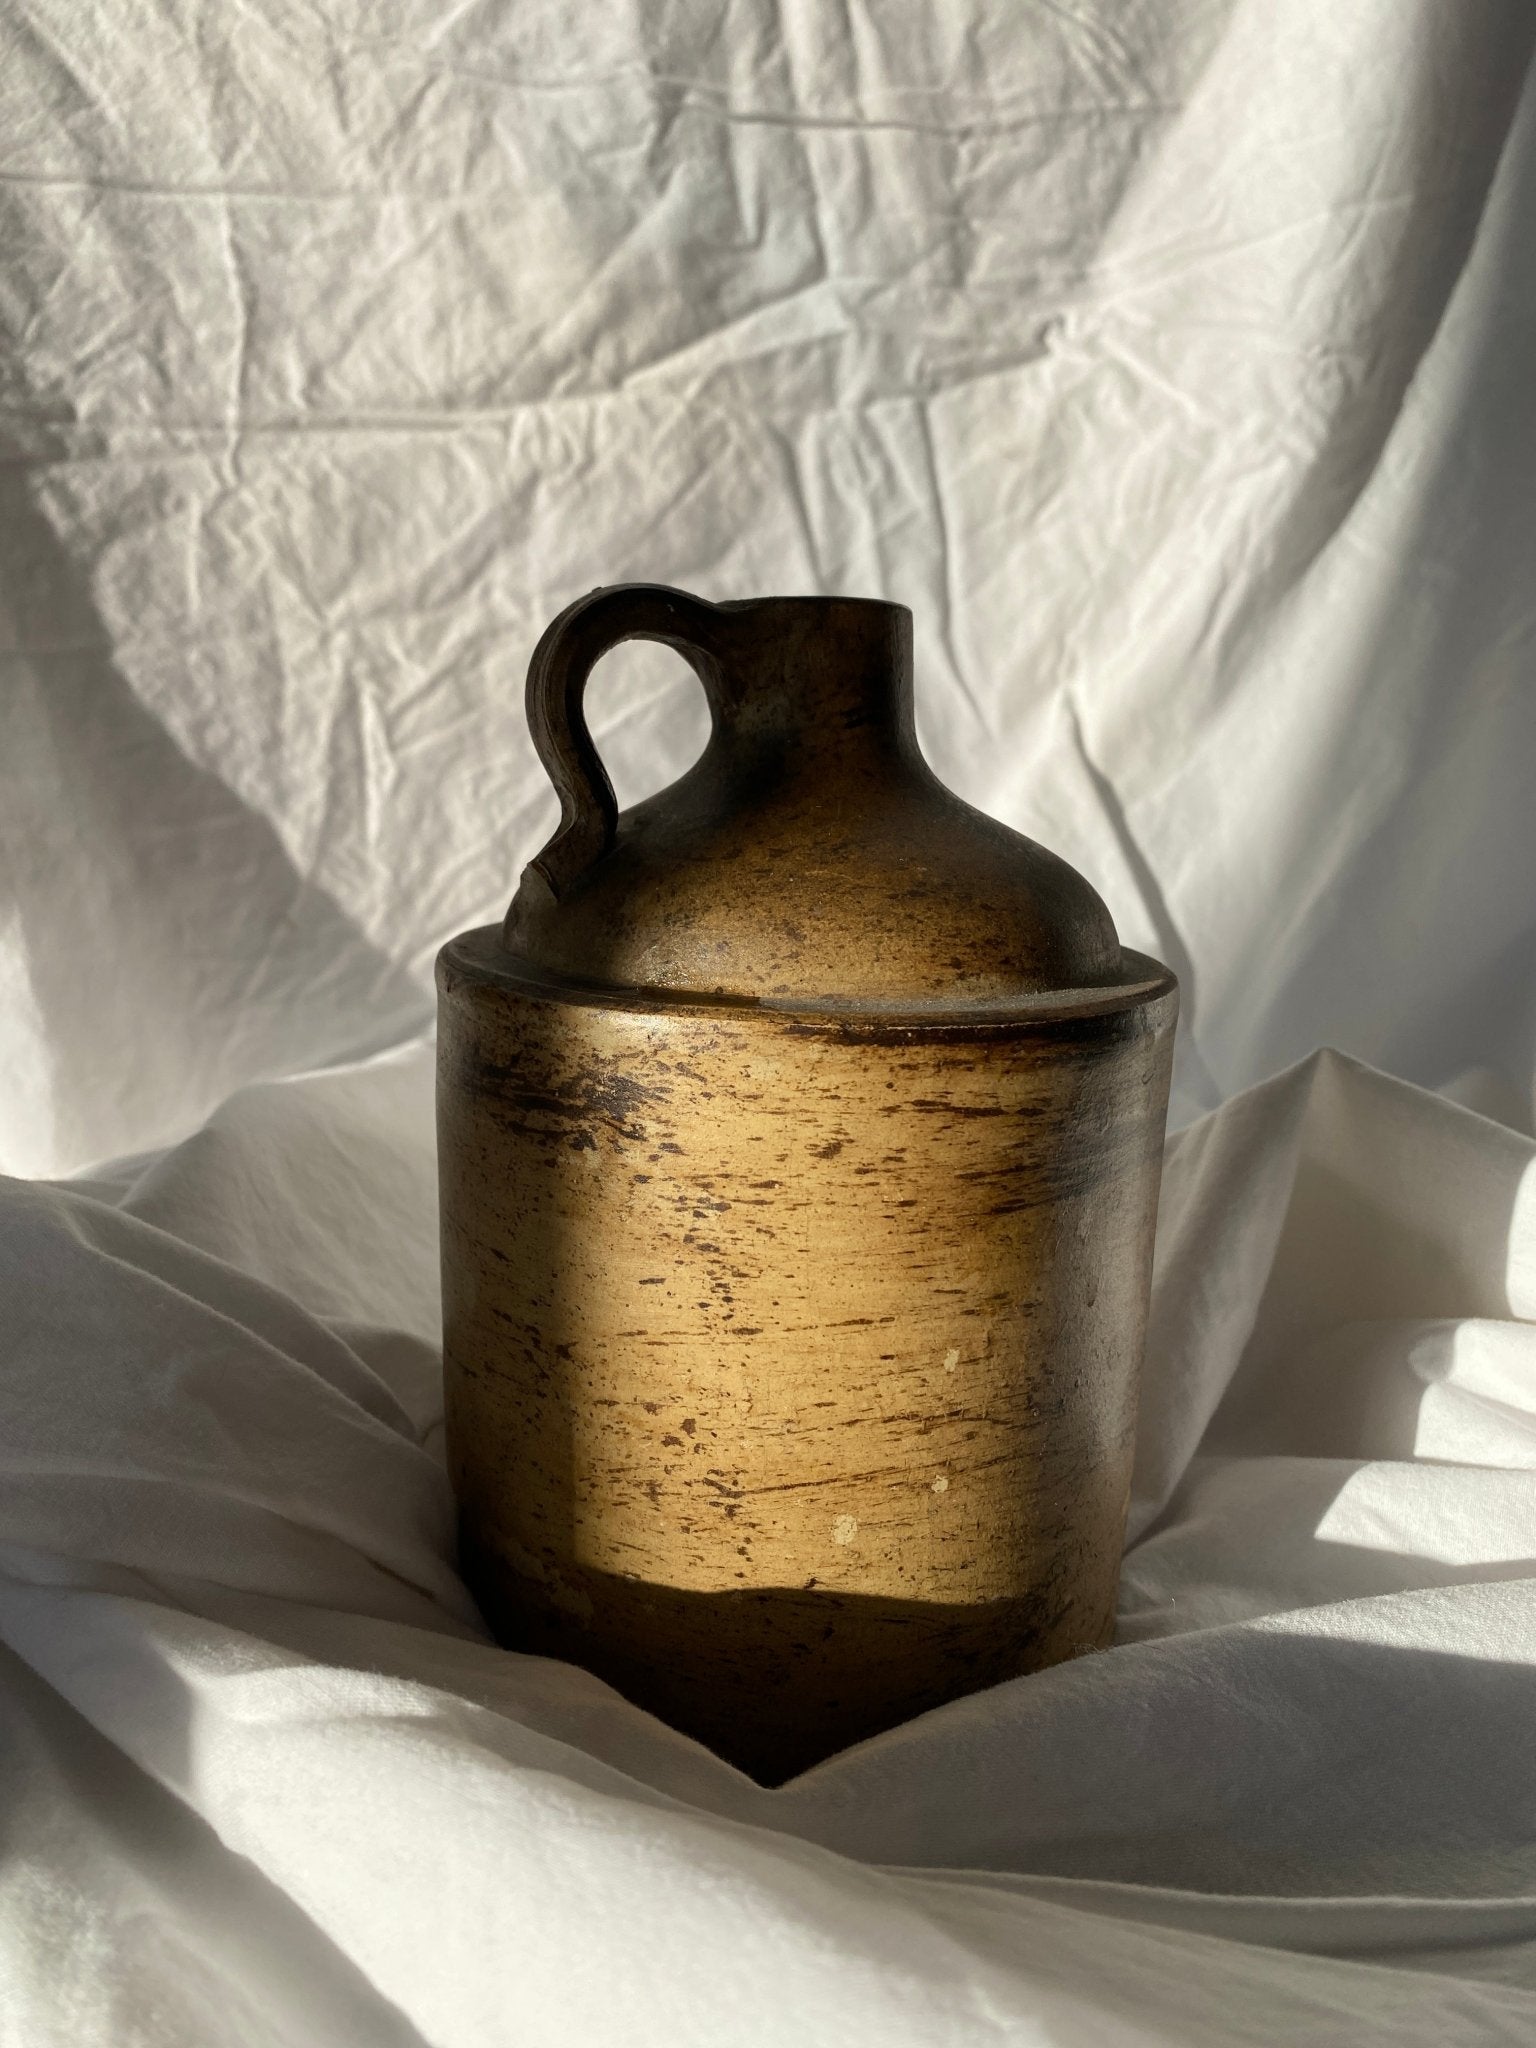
[(557, 681)]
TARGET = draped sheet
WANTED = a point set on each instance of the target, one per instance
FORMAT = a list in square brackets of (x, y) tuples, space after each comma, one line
[(1171, 363), (268, 1781)]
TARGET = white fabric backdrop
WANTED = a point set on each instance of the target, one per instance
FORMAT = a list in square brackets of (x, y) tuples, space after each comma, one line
[(1172, 362), (1175, 365)]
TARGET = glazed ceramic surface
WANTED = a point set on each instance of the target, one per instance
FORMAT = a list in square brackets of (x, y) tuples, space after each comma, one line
[(799, 1139)]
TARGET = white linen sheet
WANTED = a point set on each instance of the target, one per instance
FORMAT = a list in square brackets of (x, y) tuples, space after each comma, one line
[(1174, 363), (268, 1781)]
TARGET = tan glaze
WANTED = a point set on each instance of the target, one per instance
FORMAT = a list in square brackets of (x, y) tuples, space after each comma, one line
[(799, 1142)]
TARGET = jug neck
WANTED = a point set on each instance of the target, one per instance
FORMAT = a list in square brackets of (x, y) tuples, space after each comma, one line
[(817, 681)]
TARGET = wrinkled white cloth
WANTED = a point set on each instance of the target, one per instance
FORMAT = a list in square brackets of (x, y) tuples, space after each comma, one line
[(1174, 365), (266, 1780), (1171, 362)]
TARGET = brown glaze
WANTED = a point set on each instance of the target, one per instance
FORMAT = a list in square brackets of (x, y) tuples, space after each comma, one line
[(799, 1143), (810, 853)]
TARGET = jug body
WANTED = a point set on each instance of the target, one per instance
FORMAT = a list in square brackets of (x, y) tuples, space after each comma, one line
[(792, 1336)]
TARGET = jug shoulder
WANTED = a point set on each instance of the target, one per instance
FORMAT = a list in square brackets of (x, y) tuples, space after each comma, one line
[(905, 892)]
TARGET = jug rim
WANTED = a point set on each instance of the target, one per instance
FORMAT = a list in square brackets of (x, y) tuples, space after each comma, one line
[(822, 599)]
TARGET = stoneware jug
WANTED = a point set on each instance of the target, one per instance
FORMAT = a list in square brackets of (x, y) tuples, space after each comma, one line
[(800, 1134)]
